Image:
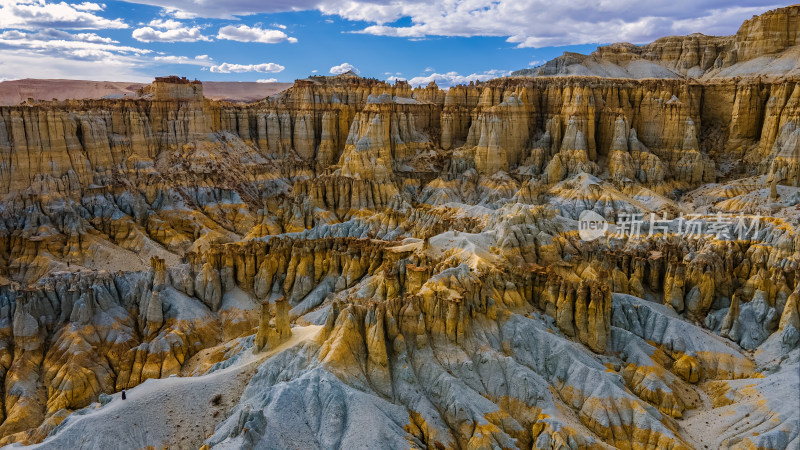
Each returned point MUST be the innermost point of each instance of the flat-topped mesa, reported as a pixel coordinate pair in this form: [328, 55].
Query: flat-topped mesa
[176, 88]
[337, 92]
[342, 78]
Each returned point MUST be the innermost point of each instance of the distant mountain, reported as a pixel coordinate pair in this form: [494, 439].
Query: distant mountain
[16, 91]
[766, 45]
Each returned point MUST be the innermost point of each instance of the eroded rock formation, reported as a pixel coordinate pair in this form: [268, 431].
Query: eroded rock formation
[412, 257]
[760, 41]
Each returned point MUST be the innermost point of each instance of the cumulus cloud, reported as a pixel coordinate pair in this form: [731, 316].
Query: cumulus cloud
[267, 80]
[244, 33]
[88, 6]
[59, 43]
[538, 23]
[167, 24]
[59, 54]
[179, 13]
[54, 53]
[51, 34]
[526, 23]
[33, 65]
[168, 31]
[27, 14]
[343, 68]
[200, 60]
[240, 68]
[228, 10]
[450, 79]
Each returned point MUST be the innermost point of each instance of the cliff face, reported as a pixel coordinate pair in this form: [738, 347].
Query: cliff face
[770, 38]
[513, 125]
[771, 32]
[411, 254]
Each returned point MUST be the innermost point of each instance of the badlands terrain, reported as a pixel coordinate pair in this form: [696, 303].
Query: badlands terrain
[355, 264]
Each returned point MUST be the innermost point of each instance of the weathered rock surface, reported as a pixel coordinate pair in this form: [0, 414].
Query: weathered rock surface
[353, 263]
[764, 45]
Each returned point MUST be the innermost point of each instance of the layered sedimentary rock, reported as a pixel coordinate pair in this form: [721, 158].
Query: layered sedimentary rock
[763, 46]
[411, 256]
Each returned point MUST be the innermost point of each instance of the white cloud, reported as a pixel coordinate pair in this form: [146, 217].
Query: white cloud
[244, 33]
[159, 30]
[57, 54]
[267, 80]
[342, 68]
[229, 9]
[527, 23]
[66, 45]
[536, 62]
[167, 24]
[88, 37]
[52, 34]
[240, 68]
[111, 67]
[201, 60]
[53, 53]
[450, 79]
[89, 6]
[539, 23]
[32, 14]
[179, 13]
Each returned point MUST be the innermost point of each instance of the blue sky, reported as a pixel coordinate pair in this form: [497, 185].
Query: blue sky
[447, 41]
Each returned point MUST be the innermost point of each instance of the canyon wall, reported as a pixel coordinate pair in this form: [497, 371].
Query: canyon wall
[429, 240]
[517, 125]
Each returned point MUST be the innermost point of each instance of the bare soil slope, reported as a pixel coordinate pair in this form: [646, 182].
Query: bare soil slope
[14, 92]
